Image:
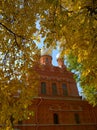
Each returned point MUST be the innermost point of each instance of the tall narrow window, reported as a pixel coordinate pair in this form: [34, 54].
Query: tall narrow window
[77, 119]
[64, 87]
[43, 88]
[56, 119]
[46, 60]
[54, 89]
[20, 122]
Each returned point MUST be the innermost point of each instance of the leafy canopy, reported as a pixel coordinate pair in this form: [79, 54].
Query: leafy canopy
[18, 55]
[71, 23]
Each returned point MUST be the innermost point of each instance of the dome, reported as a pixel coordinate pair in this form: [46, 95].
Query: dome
[46, 51]
[58, 56]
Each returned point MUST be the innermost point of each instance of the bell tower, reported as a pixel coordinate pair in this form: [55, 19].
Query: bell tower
[60, 61]
[46, 58]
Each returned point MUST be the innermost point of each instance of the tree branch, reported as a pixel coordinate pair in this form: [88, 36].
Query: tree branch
[11, 31]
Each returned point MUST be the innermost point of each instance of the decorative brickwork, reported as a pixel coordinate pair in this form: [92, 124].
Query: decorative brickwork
[58, 105]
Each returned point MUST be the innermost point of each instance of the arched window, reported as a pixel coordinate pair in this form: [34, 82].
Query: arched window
[43, 88]
[20, 122]
[47, 60]
[54, 89]
[56, 118]
[64, 87]
[77, 119]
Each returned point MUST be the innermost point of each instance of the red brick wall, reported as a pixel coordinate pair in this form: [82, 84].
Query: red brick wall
[45, 106]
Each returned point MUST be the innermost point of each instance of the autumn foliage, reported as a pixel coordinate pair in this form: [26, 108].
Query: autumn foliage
[69, 24]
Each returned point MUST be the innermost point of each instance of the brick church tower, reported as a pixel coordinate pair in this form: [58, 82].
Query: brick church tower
[58, 105]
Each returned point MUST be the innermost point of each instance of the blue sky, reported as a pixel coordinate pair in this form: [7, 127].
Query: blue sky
[54, 61]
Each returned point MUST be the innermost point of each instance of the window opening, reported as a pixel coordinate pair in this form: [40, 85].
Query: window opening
[46, 60]
[43, 88]
[64, 87]
[54, 89]
[20, 122]
[77, 119]
[56, 118]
